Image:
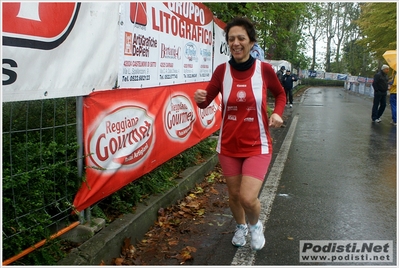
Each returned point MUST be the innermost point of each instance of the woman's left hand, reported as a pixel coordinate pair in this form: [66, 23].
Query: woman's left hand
[275, 121]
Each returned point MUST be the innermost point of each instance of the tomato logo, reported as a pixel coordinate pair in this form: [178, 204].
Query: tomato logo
[38, 25]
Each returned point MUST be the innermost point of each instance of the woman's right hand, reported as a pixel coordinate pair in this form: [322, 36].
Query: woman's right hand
[200, 95]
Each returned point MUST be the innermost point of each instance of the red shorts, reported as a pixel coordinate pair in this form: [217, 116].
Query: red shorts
[253, 166]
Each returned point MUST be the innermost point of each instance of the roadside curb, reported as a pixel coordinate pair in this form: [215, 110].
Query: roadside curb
[107, 243]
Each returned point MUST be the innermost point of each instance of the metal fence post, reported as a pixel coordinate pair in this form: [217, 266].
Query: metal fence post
[79, 134]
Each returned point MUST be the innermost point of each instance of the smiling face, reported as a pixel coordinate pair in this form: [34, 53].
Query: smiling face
[239, 43]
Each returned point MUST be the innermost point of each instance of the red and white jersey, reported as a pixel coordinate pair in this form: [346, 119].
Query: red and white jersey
[244, 130]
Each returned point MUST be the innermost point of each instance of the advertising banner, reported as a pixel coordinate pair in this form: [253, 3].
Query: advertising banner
[361, 79]
[138, 65]
[58, 49]
[352, 79]
[330, 76]
[128, 134]
[335, 76]
[222, 51]
[312, 73]
[165, 43]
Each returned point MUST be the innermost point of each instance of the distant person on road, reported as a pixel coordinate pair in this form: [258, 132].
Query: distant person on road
[380, 85]
[288, 84]
[392, 100]
[280, 75]
[244, 146]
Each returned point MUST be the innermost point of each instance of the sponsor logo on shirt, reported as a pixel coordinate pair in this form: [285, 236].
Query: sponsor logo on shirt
[249, 119]
[241, 96]
[232, 117]
[232, 108]
[238, 85]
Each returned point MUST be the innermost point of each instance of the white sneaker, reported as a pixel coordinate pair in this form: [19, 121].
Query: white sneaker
[257, 237]
[290, 105]
[378, 120]
[239, 235]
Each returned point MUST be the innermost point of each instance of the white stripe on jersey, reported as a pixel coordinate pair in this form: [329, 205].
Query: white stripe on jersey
[257, 89]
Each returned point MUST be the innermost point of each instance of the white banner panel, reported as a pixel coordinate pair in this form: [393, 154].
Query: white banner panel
[58, 49]
[330, 76]
[352, 79]
[222, 50]
[164, 43]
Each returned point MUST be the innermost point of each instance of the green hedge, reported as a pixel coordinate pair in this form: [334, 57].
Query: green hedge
[39, 175]
[322, 82]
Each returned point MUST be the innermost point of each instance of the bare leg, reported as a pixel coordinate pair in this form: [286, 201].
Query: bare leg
[234, 186]
[243, 198]
[249, 192]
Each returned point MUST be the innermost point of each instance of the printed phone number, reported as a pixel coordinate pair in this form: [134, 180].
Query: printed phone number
[136, 78]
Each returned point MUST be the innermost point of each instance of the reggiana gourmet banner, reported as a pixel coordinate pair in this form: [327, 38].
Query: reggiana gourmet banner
[129, 134]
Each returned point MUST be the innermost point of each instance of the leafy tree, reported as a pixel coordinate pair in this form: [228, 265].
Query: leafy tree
[346, 13]
[313, 27]
[356, 60]
[331, 28]
[279, 27]
[225, 11]
[378, 25]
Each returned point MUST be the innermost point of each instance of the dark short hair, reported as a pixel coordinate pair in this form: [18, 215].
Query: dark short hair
[244, 22]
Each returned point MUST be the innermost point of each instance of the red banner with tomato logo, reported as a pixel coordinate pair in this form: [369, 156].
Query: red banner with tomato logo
[129, 132]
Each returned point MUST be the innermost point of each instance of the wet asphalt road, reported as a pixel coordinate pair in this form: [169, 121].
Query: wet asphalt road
[338, 181]
[333, 177]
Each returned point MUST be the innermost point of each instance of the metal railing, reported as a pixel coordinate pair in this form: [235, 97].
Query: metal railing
[40, 170]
